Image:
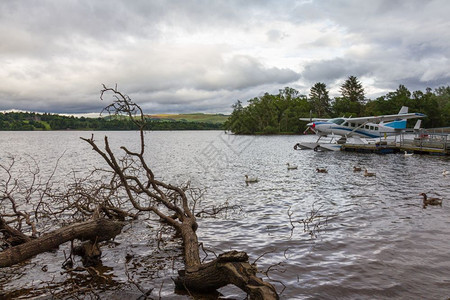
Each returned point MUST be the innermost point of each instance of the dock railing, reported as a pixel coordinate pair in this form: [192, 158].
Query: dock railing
[424, 139]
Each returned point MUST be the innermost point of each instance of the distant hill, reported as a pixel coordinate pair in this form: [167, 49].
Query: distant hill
[194, 117]
[14, 120]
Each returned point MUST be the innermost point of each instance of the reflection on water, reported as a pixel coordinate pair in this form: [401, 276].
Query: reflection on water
[378, 241]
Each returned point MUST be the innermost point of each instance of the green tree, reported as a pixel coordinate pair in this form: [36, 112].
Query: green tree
[235, 121]
[352, 100]
[442, 95]
[352, 90]
[269, 114]
[427, 103]
[319, 99]
[400, 97]
[343, 107]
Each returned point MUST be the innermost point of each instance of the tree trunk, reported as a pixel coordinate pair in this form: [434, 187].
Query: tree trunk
[229, 268]
[190, 241]
[94, 230]
[13, 236]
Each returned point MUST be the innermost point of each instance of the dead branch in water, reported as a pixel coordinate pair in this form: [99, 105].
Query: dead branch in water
[94, 208]
[312, 223]
[133, 176]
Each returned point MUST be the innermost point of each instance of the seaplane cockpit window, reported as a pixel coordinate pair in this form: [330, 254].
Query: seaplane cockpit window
[366, 126]
[376, 128]
[352, 125]
[371, 128]
[337, 121]
[345, 124]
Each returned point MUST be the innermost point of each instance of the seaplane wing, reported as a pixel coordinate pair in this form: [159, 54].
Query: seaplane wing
[313, 119]
[385, 118]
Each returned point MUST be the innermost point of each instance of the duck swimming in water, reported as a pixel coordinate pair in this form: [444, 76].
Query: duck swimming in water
[250, 179]
[291, 167]
[430, 201]
[408, 153]
[369, 174]
[321, 170]
[356, 169]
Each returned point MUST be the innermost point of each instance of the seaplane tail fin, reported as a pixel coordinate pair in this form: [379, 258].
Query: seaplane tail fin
[417, 126]
[403, 110]
[398, 124]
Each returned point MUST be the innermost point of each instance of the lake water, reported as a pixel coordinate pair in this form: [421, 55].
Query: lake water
[360, 238]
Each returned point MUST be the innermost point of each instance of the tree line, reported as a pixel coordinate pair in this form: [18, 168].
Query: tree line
[279, 114]
[30, 121]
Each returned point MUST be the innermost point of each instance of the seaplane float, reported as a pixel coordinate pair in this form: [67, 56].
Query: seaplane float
[332, 133]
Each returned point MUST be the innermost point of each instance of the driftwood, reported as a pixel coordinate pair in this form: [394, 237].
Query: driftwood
[229, 268]
[13, 236]
[93, 230]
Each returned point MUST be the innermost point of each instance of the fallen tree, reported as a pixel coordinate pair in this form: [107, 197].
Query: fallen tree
[93, 230]
[146, 193]
[127, 188]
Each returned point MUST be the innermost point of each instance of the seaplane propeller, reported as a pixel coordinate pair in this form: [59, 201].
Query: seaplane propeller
[311, 127]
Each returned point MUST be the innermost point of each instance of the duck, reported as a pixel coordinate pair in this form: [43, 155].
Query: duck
[356, 169]
[445, 172]
[408, 154]
[321, 170]
[250, 179]
[369, 174]
[430, 201]
[291, 167]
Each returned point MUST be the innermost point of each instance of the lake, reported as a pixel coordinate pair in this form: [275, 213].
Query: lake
[335, 235]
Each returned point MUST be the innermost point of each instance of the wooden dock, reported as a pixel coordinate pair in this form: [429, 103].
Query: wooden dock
[432, 144]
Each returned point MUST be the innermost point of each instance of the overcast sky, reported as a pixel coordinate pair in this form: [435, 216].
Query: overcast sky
[201, 56]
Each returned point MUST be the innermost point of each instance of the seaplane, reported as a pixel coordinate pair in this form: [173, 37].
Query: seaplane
[359, 128]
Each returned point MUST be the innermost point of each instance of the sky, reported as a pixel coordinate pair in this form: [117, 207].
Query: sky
[182, 56]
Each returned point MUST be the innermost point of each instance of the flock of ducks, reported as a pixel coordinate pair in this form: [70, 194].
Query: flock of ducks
[290, 166]
[366, 172]
[426, 201]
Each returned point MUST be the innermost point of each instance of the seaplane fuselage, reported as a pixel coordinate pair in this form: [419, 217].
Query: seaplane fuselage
[365, 127]
[345, 127]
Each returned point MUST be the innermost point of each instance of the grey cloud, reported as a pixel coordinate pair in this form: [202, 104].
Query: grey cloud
[46, 105]
[55, 54]
[202, 68]
[401, 42]
[332, 70]
[244, 72]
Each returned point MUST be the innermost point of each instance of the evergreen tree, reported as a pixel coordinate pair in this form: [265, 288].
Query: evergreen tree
[319, 99]
[352, 90]
[352, 100]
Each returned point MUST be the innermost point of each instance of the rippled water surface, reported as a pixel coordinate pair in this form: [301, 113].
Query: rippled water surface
[338, 235]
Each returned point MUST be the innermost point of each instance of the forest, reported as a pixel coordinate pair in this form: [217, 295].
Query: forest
[279, 114]
[30, 121]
